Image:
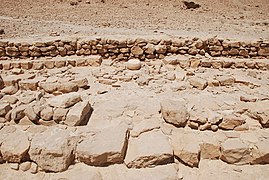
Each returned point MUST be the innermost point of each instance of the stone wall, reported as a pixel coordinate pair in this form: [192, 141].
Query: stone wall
[129, 48]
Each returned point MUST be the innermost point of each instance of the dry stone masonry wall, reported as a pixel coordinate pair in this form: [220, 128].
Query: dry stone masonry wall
[133, 48]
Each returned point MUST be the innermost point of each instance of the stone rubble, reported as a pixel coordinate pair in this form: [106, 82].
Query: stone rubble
[170, 117]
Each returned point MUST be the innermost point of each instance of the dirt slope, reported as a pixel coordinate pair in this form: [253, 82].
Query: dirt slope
[240, 19]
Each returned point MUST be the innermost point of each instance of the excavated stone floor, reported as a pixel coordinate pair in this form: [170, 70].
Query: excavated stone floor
[168, 119]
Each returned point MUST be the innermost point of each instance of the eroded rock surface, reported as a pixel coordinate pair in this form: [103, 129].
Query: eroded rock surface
[175, 112]
[149, 149]
[105, 147]
[54, 149]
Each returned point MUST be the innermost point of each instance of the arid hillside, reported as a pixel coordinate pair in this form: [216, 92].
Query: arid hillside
[239, 19]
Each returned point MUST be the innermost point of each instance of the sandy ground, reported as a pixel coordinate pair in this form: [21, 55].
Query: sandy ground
[235, 19]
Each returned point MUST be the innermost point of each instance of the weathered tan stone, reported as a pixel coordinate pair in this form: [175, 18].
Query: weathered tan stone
[31, 114]
[186, 147]
[15, 146]
[195, 63]
[243, 52]
[4, 109]
[226, 80]
[260, 112]
[11, 80]
[14, 166]
[25, 166]
[230, 122]
[210, 146]
[49, 87]
[25, 121]
[46, 113]
[107, 81]
[217, 64]
[3, 120]
[53, 149]
[67, 87]
[59, 114]
[18, 112]
[26, 65]
[29, 84]
[174, 112]
[94, 60]
[149, 149]
[10, 90]
[161, 49]
[260, 154]
[215, 48]
[34, 168]
[248, 99]
[81, 62]
[65, 100]
[38, 65]
[79, 114]
[136, 50]
[209, 151]
[233, 51]
[49, 64]
[60, 63]
[206, 64]
[12, 51]
[6, 66]
[16, 71]
[149, 48]
[198, 83]
[234, 151]
[193, 125]
[28, 96]
[81, 83]
[215, 53]
[144, 125]
[170, 60]
[108, 146]
[214, 117]
[263, 51]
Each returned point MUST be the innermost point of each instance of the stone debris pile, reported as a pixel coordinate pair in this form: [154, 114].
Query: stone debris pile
[173, 117]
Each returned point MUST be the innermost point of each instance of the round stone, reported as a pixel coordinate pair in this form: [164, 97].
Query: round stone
[214, 127]
[133, 64]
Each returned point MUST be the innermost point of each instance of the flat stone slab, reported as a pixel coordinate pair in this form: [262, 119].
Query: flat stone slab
[105, 147]
[65, 100]
[149, 149]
